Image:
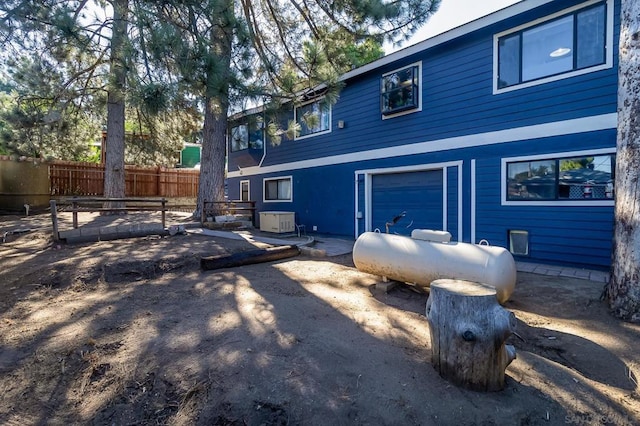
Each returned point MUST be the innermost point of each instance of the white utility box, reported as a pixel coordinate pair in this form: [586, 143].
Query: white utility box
[279, 222]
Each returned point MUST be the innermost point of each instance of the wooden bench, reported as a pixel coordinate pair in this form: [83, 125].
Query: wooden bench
[106, 205]
[219, 208]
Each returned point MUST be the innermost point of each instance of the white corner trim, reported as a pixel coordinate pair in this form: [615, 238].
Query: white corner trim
[473, 201]
[460, 200]
[445, 198]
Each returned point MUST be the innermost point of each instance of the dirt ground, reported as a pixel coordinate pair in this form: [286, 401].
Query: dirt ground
[130, 332]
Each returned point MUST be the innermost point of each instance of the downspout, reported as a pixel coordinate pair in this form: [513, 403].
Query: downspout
[264, 151]
[264, 138]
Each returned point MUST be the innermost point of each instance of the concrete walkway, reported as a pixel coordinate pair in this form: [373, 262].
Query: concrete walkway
[312, 246]
[563, 271]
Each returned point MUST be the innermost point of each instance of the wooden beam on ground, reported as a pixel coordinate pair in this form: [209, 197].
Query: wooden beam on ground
[248, 257]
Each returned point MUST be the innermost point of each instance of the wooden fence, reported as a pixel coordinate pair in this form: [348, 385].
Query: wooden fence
[87, 179]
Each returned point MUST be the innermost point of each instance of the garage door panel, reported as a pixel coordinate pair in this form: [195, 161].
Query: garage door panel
[419, 194]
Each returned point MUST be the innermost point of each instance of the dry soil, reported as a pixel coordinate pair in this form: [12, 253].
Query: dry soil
[132, 331]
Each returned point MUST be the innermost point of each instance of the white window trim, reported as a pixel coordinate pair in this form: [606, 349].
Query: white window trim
[550, 156]
[410, 111]
[311, 135]
[264, 195]
[248, 182]
[608, 48]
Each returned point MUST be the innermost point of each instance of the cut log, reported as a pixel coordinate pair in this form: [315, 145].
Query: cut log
[468, 331]
[248, 257]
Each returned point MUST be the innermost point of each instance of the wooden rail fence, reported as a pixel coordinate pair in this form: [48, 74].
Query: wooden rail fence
[87, 179]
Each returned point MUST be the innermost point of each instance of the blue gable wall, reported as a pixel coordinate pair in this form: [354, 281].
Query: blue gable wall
[465, 130]
[457, 80]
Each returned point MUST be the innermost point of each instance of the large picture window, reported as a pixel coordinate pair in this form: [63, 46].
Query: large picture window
[571, 42]
[568, 178]
[400, 90]
[277, 189]
[313, 118]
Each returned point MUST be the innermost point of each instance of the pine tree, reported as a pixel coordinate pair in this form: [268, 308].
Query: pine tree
[227, 52]
[222, 52]
[77, 69]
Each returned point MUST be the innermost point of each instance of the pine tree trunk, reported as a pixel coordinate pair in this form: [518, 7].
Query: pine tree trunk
[212, 161]
[623, 289]
[114, 179]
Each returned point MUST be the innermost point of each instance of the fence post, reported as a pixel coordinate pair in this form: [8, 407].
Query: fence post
[54, 219]
[159, 191]
[164, 202]
[74, 208]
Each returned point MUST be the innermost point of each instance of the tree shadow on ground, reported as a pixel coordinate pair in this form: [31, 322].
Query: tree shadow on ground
[587, 358]
[300, 341]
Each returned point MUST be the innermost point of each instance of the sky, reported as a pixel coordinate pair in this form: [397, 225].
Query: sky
[451, 14]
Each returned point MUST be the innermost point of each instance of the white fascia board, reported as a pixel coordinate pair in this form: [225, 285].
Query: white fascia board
[485, 21]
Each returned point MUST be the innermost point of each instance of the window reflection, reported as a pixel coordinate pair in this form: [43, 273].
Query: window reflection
[313, 118]
[572, 42]
[400, 90]
[575, 178]
[239, 138]
[247, 136]
[546, 50]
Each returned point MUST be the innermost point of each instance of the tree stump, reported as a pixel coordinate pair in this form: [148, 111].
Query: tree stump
[468, 330]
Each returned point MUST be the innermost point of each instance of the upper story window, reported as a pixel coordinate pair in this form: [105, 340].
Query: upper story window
[245, 136]
[400, 91]
[585, 177]
[569, 43]
[313, 118]
[239, 138]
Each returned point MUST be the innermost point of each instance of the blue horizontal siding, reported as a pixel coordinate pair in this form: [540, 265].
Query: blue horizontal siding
[580, 235]
[457, 100]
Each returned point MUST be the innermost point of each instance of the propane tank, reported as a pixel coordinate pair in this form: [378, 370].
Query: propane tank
[420, 262]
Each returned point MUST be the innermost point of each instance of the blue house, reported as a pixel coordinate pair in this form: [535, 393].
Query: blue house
[503, 130]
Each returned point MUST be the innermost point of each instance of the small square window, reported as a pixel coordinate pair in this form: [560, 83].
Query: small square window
[400, 90]
[313, 118]
[519, 242]
[247, 136]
